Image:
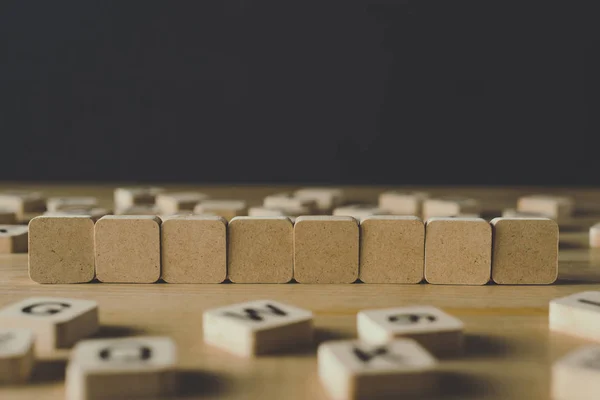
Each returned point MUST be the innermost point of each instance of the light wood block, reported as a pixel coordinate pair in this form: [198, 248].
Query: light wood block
[13, 239]
[123, 368]
[326, 249]
[577, 315]
[266, 212]
[128, 248]
[450, 207]
[524, 251]
[513, 213]
[71, 202]
[171, 203]
[595, 236]
[57, 322]
[16, 355]
[392, 249]
[326, 198]
[258, 327]
[7, 217]
[61, 249]
[126, 197]
[227, 209]
[458, 251]
[555, 207]
[351, 369]
[288, 201]
[576, 376]
[402, 203]
[440, 333]
[22, 202]
[142, 209]
[194, 249]
[94, 213]
[358, 211]
[260, 250]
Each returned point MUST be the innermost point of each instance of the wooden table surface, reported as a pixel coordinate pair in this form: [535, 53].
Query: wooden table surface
[509, 350]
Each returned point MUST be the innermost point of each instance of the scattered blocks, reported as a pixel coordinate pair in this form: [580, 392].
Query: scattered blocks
[171, 203]
[326, 249]
[392, 249]
[71, 202]
[287, 201]
[22, 202]
[595, 236]
[576, 376]
[458, 251]
[555, 207]
[194, 249]
[326, 198]
[16, 355]
[124, 368]
[525, 251]
[56, 322]
[350, 369]
[13, 239]
[358, 211]
[227, 209]
[450, 207]
[576, 315]
[128, 248]
[135, 196]
[260, 250]
[7, 217]
[142, 209]
[402, 203]
[61, 249]
[258, 327]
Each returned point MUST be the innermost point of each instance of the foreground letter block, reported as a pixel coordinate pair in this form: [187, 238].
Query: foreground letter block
[124, 368]
[194, 249]
[555, 207]
[458, 251]
[576, 376]
[68, 203]
[358, 211]
[392, 249]
[351, 369]
[450, 207]
[260, 250]
[438, 332]
[227, 209]
[61, 249]
[402, 203]
[56, 322]
[22, 202]
[7, 217]
[13, 239]
[16, 355]
[595, 236]
[258, 327]
[525, 251]
[135, 196]
[325, 249]
[171, 203]
[326, 198]
[577, 315]
[128, 248]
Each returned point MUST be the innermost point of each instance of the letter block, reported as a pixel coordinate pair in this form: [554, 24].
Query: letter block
[402, 203]
[13, 239]
[22, 202]
[555, 207]
[287, 201]
[576, 376]
[227, 209]
[359, 211]
[7, 217]
[576, 315]
[71, 202]
[326, 198]
[171, 203]
[16, 355]
[595, 236]
[450, 207]
[127, 197]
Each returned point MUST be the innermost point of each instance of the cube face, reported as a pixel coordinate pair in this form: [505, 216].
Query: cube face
[170, 203]
[577, 375]
[326, 198]
[260, 250]
[402, 203]
[13, 239]
[326, 249]
[16, 355]
[450, 207]
[392, 249]
[71, 202]
[61, 249]
[458, 251]
[555, 207]
[525, 251]
[358, 211]
[576, 315]
[194, 249]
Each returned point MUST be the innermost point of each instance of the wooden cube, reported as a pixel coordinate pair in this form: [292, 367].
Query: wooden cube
[458, 251]
[577, 315]
[595, 236]
[71, 202]
[171, 203]
[266, 212]
[142, 209]
[16, 355]
[260, 250]
[13, 239]
[358, 211]
[194, 249]
[258, 327]
[524, 251]
[326, 198]
[351, 369]
[326, 249]
[57, 322]
[7, 217]
[22, 202]
[123, 368]
[94, 213]
[440, 333]
[128, 248]
[555, 207]
[227, 209]
[513, 213]
[392, 249]
[61, 249]
[287, 201]
[450, 207]
[576, 376]
[127, 197]
[402, 203]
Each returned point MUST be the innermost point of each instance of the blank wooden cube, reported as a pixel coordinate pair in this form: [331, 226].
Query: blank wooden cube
[56, 322]
[524, 251]
[71, 202]
[13, 239]
[576, 376]
[358, 211]
[126, 197]
[94, 213]
[128, 248]
[227, 209]
[61, 249]
[287, 201]
[258, 327]
[402, 203]
[194, 249]
[555, 207]
[595, 236]
[351, 369]
[7, 217]
[260, 250]
[22, 202]
[326, 249]
[392, 249]
[16, 355]
[171, 203]
[123, 368]
[326, 198]
[450, 207]
[577, 315]
[440, 333]
[458, 251]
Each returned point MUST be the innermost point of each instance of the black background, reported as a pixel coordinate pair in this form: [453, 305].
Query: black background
[398, 92]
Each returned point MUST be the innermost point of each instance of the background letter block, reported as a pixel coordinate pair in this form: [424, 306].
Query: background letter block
[401, 203]
[194, 249]
[287, 201]
[326, 198]
[16, 355]
[555, 207]
[258, 327]
[595, 236]
[325, 249]
[577, 315]
[458, 251]
[171, 203]
[576, 376]
[227, 209]
[7, 217]
[128, 197]
[358, 211]
[260, 250]
[13, 239]
[22, 202]
[128, 249]
[450, 207]
[61, 249]
[73, 202]
[524, 251]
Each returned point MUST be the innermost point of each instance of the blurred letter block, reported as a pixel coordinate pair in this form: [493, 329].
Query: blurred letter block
[16, 355]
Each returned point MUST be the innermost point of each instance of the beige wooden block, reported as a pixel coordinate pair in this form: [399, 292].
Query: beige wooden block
[22, 202]
[440, 333]
[266, 212]
[94, 213]
[171, 203]
[576, 376]
[351, 369]
[513, 213]
[402, 203]
[128, 248]
[392, 249]
[524, 251]
[458, 251]
[326, 249]
[326, 198]
[450, 207]
[260, 250]
[577, 315]
[359, 211]
[258, 327]
[194, 249]
[16, 355]
[13, 239]
[123, 368]
[595, 236]
[71, 202]
[555, 207]
[287, 201]
[126, 197]
[142, 209]
[56, 322]
[7, 217]
[227, 209]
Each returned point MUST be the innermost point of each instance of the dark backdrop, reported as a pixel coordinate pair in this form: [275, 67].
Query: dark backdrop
[450, 92]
